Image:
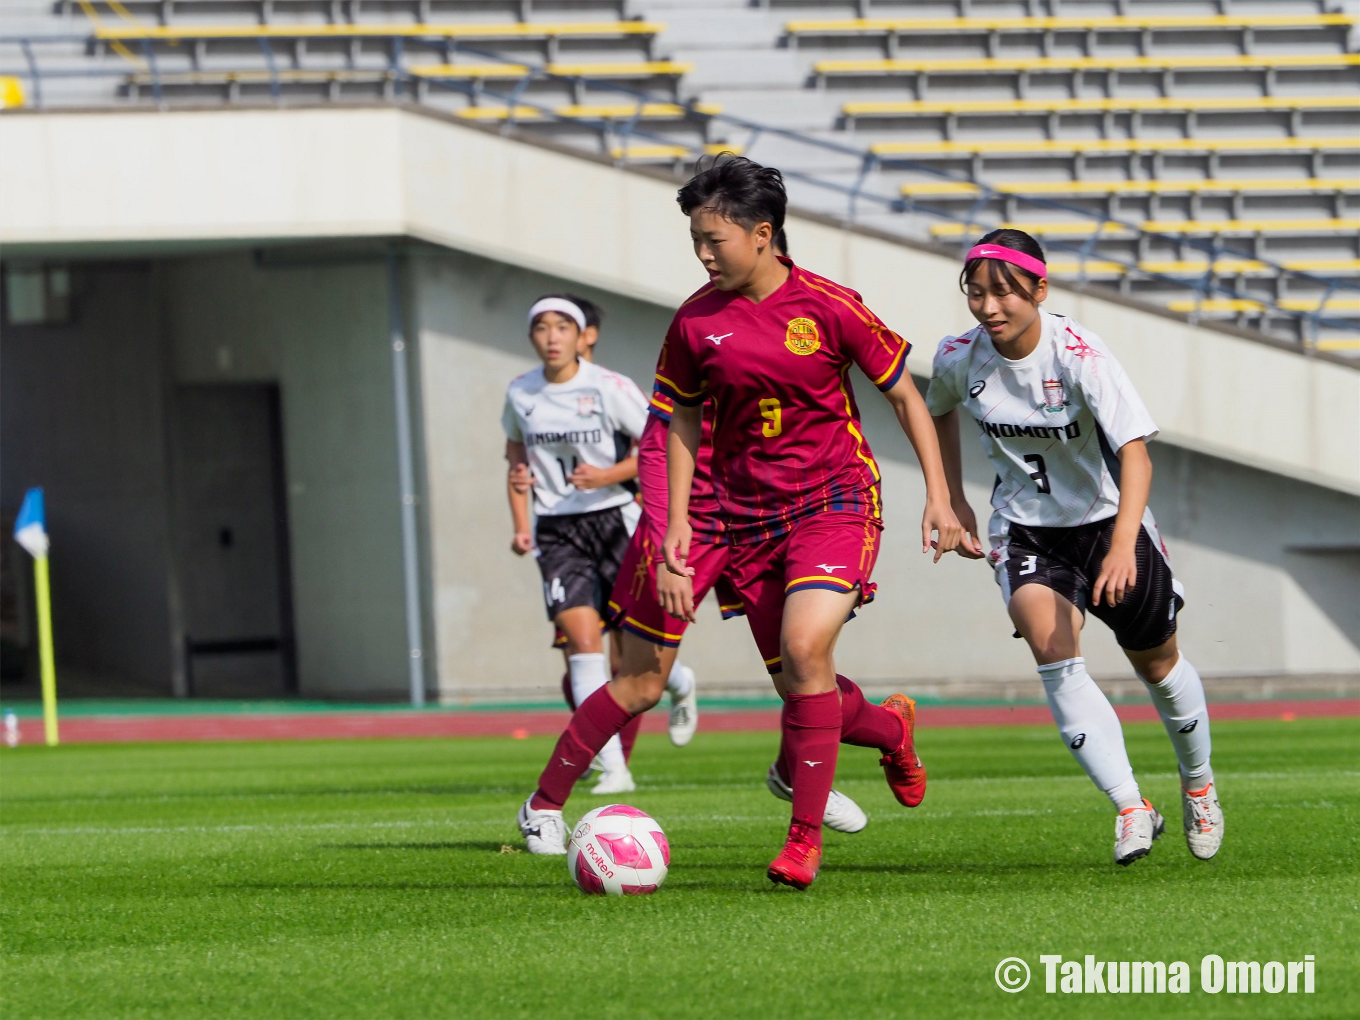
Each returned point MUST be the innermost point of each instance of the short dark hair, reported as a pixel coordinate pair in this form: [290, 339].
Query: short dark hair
[738, 189]
[594, 313]
[781, 241]
[1016, 240]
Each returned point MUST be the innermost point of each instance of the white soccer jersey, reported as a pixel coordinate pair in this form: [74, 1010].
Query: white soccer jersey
[1051, 423]
[564, 425]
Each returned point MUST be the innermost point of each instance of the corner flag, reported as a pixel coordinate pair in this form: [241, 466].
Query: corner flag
[30, 531]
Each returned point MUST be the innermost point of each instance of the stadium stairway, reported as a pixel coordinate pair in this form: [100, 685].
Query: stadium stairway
[1216, 137]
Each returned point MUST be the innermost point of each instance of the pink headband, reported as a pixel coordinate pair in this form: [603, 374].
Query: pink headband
[1016, 258]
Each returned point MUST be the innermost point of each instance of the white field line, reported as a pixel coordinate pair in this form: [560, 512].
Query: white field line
[11, 830]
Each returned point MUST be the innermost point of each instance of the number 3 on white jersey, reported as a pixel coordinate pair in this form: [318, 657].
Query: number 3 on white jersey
[1030, 565]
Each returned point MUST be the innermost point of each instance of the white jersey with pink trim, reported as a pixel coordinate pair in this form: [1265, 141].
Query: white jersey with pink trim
[590, 419]
[1051, 423]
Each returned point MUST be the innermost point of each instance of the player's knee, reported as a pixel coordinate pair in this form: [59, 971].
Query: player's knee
[638, 693]
[803, 653]
[1051, 649]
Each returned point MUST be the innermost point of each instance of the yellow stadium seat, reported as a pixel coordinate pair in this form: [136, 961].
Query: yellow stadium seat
[1117, 145]
[639, 69]
[628, 69]
[1159, 187]
[457, 30]
[1223, 267]
[880, 26]
[650, 153]
[1248, 305]
[1083, 228]
[286, 75]
[11, 92]
[1100, 104]
[1338, 345]
[601, 111]
[982, 65]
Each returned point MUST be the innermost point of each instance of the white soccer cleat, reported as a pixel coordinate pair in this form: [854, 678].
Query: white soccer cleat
[1203, 820]
[620, 780]
[543, 830]
[684, 718]
[1134, 830]
[842, 813]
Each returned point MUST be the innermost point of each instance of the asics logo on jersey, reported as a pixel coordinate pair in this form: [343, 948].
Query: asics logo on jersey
[717, 339]
[830, 569]
[1189, 727]
[1077, 741]
[977, 388]
[812, 764]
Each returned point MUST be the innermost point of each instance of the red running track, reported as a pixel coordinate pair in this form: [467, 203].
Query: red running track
[352, 725]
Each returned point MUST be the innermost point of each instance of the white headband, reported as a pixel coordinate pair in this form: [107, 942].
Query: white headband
[557, 304]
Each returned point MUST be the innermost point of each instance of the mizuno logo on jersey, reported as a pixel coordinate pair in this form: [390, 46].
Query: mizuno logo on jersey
[811, 764]
[717, 339]
[830, 569]
[1069, 431]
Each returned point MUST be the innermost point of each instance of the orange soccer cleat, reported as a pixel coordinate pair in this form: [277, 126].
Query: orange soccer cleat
[903, 769]
[798, 862]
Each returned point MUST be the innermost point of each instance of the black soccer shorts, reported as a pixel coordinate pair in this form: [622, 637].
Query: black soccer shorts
[579, 556]
[1068, 560]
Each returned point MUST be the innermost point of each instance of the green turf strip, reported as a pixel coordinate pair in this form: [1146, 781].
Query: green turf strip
[365, 879]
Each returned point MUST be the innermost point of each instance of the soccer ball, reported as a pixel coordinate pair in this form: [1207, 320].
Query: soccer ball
[618, 850]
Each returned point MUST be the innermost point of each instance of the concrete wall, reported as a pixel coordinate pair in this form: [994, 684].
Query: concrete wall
[81, 412]
[84, 415]
[202, 176]
[1258, 602]
[316, 323]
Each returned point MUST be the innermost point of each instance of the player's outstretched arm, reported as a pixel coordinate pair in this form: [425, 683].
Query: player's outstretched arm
[1119, 570]
[947, 434]
[939, 516]
[518, 494]
[682, 452]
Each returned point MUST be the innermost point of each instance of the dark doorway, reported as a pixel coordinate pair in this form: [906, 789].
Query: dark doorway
[231, 539]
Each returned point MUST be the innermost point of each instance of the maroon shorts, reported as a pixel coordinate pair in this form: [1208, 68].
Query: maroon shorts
[633, 604]
[834, 551]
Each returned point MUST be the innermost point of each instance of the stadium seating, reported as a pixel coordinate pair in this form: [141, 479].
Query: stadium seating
[1224, 133]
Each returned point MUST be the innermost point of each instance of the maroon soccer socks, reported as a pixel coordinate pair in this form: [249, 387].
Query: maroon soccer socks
[598, 719]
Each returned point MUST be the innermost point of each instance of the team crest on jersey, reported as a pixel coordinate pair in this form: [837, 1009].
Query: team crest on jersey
[1055, 396]
[585, 406]
[802, 337]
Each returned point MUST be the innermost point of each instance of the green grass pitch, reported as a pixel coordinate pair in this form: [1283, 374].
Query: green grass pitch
[366, 879]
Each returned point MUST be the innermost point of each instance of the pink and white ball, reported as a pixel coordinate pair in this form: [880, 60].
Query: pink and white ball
[618, 850]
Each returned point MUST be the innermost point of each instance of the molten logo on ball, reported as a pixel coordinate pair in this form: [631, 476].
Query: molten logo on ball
[618, 850]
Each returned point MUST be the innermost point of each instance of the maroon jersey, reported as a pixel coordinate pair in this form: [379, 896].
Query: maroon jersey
[704, 515]
[787, 441]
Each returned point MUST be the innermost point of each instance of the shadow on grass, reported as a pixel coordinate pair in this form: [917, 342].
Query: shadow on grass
[486, 845]
[280, 887]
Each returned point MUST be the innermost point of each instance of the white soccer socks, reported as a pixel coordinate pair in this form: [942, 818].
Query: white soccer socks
[1090, 729]
[589, 672]
[1180, 702]
[680, 682]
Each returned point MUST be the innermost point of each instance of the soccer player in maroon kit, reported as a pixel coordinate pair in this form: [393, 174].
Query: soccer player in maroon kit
[771, 346]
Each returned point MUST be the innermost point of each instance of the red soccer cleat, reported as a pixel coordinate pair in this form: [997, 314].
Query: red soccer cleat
[798, 862]
[903, 769]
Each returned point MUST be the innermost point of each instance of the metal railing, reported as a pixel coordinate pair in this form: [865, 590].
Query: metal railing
[616, 134]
